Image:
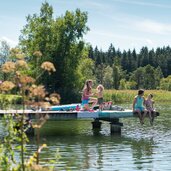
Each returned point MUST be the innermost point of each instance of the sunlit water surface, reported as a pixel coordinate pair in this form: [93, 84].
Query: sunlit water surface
[80, 148]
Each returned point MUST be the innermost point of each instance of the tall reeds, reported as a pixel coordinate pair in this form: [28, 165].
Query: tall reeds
[17, 77]
[127, 96]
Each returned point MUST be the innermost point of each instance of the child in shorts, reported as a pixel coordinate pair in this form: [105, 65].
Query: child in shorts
[149, 106]
[100, 90]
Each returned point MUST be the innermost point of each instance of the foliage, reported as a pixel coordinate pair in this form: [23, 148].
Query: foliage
[127, 85]
[60, 41]
[7, 153]
[86, 69]
[165, 83]
[99, 73]
[107, 80]
[31, 94]
[146, 68]
[4, 52]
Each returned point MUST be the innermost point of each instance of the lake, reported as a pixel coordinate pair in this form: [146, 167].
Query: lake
[80, 148]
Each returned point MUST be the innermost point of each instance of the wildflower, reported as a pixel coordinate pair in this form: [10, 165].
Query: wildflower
[47, 99]
[48, 66]
[18, 73]
[19, 85]
[55, 98]
[37, 54]
[14, 51]
[19, 56]
[7, 86]
[45, 105]
[17, 53]
[8, 67]
[55, 95]
[37, 91]
[22, 64]
[26, 79]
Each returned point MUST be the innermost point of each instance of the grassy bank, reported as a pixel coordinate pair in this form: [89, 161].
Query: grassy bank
[122, 96]
[116, 96]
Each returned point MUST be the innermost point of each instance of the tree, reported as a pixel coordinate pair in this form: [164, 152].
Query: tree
[149, 81]
[107, 80]
[99, 73]
[111, 53]
[127, 84]
[91, 55]
[60, 41]
[97, 56]
[134, 60]
[144, 58]
[165, 83]
[4, 52]
[4, 56]
[86, 70]
[138, 77]
[158, 75]
[124, 61]
[116, 76]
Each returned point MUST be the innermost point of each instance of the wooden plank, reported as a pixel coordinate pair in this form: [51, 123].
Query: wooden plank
[59, 115]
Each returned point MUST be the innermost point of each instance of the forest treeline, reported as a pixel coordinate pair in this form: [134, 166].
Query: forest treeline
[148, 69]
[61, 41]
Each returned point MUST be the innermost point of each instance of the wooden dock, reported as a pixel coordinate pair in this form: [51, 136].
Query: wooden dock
[111, 116]
[58, 115]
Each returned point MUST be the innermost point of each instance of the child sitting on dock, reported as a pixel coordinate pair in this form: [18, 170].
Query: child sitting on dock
[100, 90]
[149, 106]
[87, 95]
[138, 105]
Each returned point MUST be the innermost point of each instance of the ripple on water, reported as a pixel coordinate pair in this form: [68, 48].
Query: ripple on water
[137, 148]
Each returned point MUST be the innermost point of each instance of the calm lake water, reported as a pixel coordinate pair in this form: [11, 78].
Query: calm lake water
[137, 148]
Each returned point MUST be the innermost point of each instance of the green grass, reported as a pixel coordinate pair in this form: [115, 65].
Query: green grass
[120, 96]
[116, 96]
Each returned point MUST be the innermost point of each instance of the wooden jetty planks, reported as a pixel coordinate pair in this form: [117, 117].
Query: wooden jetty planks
[59, 115]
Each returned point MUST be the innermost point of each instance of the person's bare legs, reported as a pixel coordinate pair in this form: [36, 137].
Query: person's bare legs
[150, 117]
[93, 101]
[153, 115]
[143, 116]
[86, 107]
[139, 115]
[101, 107]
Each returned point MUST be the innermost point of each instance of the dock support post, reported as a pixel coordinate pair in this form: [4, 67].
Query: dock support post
[96, 124]
[115, 126]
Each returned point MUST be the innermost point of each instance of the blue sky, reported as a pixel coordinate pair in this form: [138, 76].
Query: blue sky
[127, 24]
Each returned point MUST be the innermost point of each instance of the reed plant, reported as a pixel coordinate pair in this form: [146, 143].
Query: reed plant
[26, 86]
[127, 96]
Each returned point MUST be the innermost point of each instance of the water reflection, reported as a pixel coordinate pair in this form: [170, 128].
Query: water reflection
[98, 151]
[137, 148]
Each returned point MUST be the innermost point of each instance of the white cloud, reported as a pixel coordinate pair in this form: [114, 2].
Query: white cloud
[96, 5]
[11, 42]
[150, 42]
[142, 3]
[124, 42]
[153, 27]
[110, 35]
